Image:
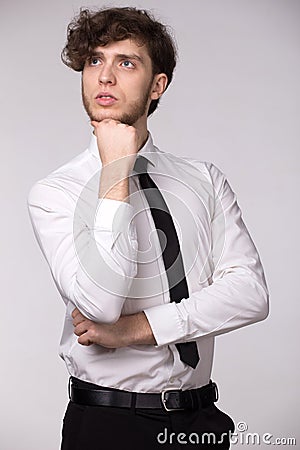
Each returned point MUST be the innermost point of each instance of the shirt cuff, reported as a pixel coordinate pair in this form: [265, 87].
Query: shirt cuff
[166, 324]
[114, 215]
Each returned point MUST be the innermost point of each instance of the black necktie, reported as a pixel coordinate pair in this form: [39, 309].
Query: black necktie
[171, 254]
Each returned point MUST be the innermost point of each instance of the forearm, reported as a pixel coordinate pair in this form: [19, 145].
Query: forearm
[128, 330]
[114, 181]
[139, 330]
[228, 304]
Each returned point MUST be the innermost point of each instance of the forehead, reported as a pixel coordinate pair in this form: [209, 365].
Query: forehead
[125, 47]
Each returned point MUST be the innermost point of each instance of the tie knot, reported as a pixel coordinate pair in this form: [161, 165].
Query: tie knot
[140, 165]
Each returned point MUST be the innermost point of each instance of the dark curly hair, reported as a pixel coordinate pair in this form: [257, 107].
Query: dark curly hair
[98, 28]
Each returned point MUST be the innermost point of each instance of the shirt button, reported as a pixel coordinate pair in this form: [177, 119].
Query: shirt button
[172, 380]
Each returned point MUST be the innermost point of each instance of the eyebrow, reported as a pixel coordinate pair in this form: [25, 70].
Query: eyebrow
[121, 56]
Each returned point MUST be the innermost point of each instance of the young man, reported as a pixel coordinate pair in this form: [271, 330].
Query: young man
[148, 251]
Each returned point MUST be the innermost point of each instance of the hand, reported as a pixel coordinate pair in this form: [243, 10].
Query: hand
[118, 146]
[116, 141]
[128, 330]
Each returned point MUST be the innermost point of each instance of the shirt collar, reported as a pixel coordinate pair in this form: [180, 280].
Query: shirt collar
[148, 150]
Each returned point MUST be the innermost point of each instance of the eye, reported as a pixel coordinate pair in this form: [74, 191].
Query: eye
[128, 64]
[94, 61]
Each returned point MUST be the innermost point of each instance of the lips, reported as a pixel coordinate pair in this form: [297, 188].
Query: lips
[105, 95]
[105, 99]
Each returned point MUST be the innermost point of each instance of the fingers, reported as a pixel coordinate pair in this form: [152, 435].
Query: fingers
[75, 312]
[81, 328]
[84, 340]
[78, 317]
[95, 124]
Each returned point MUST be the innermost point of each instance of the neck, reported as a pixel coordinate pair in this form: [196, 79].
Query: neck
[141, 127]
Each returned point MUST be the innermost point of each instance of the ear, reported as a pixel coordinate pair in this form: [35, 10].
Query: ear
[158, 86]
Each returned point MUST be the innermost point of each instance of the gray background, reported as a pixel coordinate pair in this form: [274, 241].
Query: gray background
[234, 101]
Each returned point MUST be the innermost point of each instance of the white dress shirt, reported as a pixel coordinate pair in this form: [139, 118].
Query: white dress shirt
[105, 258]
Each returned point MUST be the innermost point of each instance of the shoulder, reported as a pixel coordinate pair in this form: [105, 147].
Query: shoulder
[63, 181]
[208, 167]
[209, 170]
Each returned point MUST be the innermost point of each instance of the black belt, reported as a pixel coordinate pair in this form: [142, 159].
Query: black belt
[170, 399]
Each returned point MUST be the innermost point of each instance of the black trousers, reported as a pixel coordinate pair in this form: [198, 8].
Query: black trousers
[111, 428]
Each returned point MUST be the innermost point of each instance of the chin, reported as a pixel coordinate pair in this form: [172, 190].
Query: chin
[104, 115]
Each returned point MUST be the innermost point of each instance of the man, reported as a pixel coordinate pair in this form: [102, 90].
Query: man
[148, 251]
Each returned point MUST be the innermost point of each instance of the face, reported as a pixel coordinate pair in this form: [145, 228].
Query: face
[117, 83]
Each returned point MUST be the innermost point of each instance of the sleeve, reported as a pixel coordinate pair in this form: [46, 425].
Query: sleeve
[92, 262]
[237, 294]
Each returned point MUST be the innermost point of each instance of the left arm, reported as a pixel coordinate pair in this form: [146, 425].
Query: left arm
[237, 295]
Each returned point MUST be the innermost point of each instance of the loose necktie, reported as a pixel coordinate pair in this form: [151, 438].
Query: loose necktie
[171, 254]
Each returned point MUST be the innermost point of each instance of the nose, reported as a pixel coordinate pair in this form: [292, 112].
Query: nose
[106, 75]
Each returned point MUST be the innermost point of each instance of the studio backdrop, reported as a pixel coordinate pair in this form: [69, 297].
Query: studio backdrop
[235, 102]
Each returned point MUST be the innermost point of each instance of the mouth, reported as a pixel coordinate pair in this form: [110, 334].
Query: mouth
[105, 99]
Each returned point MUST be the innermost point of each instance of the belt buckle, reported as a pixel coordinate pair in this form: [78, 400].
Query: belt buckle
[164, 399]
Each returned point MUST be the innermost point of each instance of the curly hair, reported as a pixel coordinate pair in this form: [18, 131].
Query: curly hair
[98, 28]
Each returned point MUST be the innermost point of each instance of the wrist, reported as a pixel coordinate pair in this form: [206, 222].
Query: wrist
[140, 331]
[114, 183]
